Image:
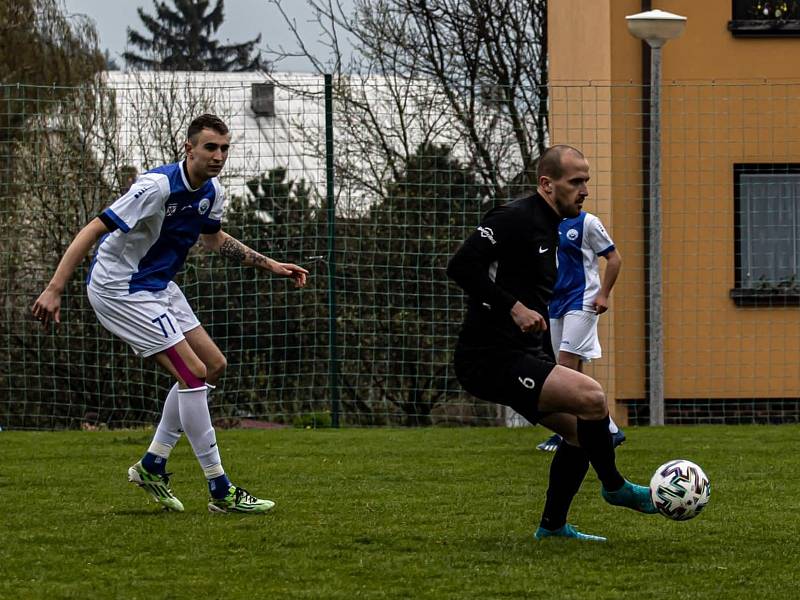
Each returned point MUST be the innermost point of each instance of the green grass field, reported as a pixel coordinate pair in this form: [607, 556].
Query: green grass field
[420, 513]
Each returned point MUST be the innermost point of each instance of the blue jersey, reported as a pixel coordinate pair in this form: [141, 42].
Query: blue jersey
[157, 221]
[581, 240]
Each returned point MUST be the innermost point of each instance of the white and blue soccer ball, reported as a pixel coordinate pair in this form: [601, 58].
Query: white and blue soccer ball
[680, 490]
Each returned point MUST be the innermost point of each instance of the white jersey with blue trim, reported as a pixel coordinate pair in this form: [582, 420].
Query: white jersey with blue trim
[581, 240]
[158, 220]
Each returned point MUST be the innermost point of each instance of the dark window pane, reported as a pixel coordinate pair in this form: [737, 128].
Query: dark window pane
[770, 203]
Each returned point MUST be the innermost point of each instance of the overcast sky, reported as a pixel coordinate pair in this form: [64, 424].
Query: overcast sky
[244, 20]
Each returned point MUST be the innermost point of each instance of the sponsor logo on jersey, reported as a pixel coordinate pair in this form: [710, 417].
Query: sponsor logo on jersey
[172, 209]
[204, 205]
[572, 235]
[486, 232]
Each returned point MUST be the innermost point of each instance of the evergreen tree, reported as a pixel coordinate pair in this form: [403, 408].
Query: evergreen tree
[180, 40]
[273, 335]
[412, 316]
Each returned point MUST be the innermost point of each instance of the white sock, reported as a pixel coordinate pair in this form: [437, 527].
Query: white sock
[210, 388]
[612, 427]
[197, 425]
[169, 428]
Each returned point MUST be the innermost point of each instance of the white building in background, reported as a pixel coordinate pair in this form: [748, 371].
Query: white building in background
[277, 120]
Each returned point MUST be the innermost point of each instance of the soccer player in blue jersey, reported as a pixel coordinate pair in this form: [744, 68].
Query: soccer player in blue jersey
[579, 298]
[508, 269]
[145, 236]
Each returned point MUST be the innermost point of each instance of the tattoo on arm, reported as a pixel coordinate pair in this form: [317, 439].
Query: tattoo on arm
[232, 249]
[255, 258]
[236, 250]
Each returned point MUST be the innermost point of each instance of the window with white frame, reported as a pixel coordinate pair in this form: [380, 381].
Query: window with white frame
[767, 200]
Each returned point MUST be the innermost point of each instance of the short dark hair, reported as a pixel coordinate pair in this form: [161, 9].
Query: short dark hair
[206, 121]
[550, 165]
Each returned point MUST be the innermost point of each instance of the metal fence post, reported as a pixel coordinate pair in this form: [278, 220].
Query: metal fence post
[333, 355]
[656, 27]
[656, 325]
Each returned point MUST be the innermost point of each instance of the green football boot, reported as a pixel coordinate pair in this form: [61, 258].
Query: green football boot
[567, 531]
[632, 496]
[239, 500]
[155, 484]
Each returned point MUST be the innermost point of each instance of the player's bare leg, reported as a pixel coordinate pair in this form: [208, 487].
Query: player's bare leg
[190, 369]
[150, 473]
[571, 392]
[208, 352]
[575, 362]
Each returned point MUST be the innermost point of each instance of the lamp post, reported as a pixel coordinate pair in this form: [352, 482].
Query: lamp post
[656, 27]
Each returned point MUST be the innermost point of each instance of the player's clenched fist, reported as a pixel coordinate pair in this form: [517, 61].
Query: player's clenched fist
[526, 319]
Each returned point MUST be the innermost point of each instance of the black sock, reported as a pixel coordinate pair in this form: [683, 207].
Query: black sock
[567, 471]
[596, 440]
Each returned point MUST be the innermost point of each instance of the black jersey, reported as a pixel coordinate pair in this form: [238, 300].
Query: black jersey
[510, 257]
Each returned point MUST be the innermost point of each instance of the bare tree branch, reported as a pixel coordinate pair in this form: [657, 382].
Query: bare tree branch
[468, 73]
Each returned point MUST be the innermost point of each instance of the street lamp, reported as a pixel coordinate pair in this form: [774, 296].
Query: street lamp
[656, 27]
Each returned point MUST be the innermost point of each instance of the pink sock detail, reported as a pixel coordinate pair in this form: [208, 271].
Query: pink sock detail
[189, 378]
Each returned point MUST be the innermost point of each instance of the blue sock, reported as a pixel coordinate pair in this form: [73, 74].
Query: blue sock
[219, 486]
[154, 464]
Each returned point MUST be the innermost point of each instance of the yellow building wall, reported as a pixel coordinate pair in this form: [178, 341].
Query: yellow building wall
[604, 122]
[724, 100]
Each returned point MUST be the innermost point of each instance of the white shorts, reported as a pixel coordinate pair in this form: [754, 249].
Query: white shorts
[576, 333]
[149, 321]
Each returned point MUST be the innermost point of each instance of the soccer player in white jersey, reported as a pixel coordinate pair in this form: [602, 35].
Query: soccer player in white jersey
[579, 297]
[145, 236]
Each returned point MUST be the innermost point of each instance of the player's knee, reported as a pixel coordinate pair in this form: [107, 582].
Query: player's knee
[593, 402]
[216, 368]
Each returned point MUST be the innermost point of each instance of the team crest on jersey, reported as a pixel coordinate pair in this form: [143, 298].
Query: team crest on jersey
[572, 235]
[172, 209]
[204, 205]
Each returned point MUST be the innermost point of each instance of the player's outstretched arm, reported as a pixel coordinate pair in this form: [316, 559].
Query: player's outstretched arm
[48, 305]
[225, 245]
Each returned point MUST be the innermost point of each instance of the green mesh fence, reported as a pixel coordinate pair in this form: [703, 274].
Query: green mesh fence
[75, 150]
[369, 341]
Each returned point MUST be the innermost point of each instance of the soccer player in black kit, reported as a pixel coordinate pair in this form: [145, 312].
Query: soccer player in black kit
[508, 269]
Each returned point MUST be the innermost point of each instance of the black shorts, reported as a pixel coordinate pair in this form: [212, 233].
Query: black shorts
[510, 377]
